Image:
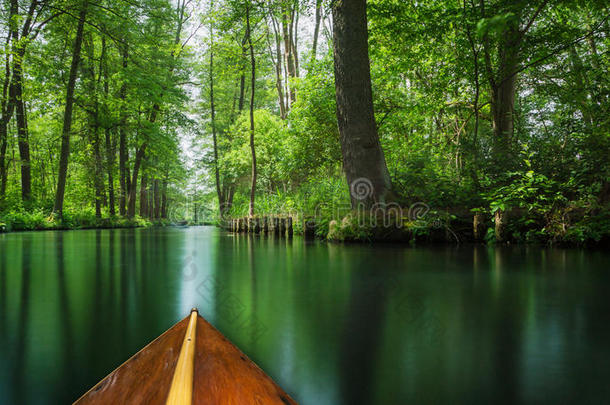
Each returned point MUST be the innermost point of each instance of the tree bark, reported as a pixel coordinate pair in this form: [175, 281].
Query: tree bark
[131, 199]
[157, 198]
[94, 127]
[288, 14]
[16, 93]
[110, 168]
[123, 152]
[363, 159]
[67, 124]
[164, 200]
[503, 94]
[213, 118]
[143, 197]
[316, 31]
[253, 84]
[277, 61]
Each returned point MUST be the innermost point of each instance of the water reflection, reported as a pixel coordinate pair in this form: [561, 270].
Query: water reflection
[332, 324]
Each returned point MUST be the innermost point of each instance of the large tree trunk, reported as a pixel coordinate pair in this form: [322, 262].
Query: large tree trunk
[503, 94]
[7, 113]
[363, 159]
[67, 124]
[7, 108]
[24, 152]
[253, 84]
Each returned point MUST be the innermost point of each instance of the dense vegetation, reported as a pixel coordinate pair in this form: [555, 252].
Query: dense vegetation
[493, 108]
[91, 104]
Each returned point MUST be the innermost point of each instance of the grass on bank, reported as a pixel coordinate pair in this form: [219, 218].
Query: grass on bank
[38, 220]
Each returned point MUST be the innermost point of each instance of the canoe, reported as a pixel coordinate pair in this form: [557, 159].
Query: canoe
[191, 363]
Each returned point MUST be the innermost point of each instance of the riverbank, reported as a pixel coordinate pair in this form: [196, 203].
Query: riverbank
[39, 221]
[451, 227]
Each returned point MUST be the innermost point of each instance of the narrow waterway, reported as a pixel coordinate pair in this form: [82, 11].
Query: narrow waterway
[332, 324]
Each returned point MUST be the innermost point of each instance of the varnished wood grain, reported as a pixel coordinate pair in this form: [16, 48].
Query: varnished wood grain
[143, 379]
[223, 375]
[226, 376]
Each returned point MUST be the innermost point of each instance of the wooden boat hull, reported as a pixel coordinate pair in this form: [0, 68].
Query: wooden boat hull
[222, 374]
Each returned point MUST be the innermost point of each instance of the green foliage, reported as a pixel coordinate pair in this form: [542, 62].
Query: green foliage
[37, 220]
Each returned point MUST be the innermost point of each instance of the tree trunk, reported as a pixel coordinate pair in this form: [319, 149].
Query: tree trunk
[277, 61]
[213, 117]
[67, 124]
[131, 199]
[110, 150]
[94, 126]
[24, 148]
[110, 168]
[143, 197]
[8, 108]
[3, 166]
[123, 152]
[157, 198]
[242, 77]
[363, 159]
[99, 173]
[16, 93]
[164, 200]
[289, 51]
[503, 95]
[316, 31]
[253, 84]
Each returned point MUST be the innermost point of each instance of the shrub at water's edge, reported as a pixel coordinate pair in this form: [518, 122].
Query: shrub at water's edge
[38, 220]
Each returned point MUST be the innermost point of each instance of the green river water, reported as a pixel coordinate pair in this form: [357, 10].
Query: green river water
[332, 324]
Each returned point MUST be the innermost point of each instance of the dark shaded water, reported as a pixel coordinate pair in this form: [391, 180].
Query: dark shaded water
[336, 325]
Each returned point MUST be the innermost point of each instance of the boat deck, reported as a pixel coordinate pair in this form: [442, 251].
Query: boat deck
[222, 374]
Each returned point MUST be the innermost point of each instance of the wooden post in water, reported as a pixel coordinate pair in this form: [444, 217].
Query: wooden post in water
[501, 222]
[275, 225]
[265, 225]
[289, 230]
[479, 227]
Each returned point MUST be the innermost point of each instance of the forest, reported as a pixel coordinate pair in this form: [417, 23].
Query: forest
[493, 116]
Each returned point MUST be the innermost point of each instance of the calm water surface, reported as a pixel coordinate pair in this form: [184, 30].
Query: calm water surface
[336, 325]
